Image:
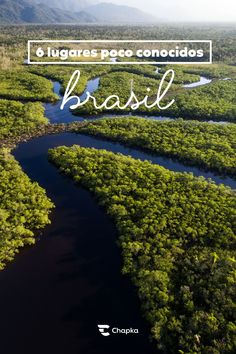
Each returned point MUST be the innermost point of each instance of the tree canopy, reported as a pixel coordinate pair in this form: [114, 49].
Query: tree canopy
[177, 234]
[211, 146]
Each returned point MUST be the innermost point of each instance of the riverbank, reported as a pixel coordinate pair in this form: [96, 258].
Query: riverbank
[43, 130]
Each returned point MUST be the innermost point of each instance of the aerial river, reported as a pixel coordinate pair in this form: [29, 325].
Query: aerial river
[55, 293]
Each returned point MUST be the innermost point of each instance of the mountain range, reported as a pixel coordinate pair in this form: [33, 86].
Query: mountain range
[68, 5]
[68, 11]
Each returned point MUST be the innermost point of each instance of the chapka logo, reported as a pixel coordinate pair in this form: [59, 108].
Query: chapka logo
[115, 330]
[102, 330]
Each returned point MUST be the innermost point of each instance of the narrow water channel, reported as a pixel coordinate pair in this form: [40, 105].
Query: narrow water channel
[203, 81]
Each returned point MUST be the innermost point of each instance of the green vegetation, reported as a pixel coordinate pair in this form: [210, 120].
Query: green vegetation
[17, 119]
[119, 83]
[24, 208]
[214, 71]
[177, 233]
[215, 101]
[211, 146]
[150, 71]
[20, 85]
[204, 103]
[63, 74]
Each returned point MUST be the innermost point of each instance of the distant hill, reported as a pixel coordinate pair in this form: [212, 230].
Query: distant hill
[31, 11]
[25, 11]
[67, 5]
[109, 12]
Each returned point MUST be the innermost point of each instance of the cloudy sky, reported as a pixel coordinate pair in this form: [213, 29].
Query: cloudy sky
[192, 10]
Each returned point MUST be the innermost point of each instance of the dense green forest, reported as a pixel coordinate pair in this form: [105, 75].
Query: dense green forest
[204, 103]
[208, 145]
[119, 83]
[24, 208]
[21, 85]
[177, 234]
[214, 101]
[18, 118]
[214, 71]
[154, 72]
[63, 73]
